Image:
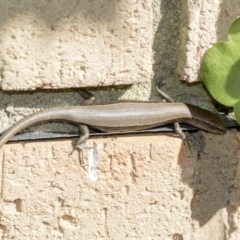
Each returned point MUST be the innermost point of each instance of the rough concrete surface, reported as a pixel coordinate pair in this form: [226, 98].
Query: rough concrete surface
[79, 43]
[148, 187]
[204, 23]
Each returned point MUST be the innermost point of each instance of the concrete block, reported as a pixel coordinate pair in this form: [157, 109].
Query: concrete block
[147, 187]
[70, 44]
[203, 24]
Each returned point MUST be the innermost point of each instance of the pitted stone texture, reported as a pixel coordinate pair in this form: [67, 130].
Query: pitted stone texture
[47, 193]
[66, 44]
[204, 23]
[148, 187]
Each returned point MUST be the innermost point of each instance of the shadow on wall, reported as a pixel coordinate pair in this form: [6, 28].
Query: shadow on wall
[214, 165]
[229, 11]
[50, 15]
[213, 160]
[166, 44]
[51, 12]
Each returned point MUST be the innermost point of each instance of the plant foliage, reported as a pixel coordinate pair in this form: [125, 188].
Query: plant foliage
[220, 70]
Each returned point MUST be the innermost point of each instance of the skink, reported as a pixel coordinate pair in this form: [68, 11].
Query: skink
[122, 116]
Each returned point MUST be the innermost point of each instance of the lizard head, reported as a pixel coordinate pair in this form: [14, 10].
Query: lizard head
[206, 120]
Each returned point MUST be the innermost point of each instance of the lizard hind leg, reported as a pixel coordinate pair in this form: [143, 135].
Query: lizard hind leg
[84, 131]
[89, 98]
[80, 145]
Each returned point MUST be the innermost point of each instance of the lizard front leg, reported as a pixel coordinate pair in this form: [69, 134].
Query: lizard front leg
[176, 125]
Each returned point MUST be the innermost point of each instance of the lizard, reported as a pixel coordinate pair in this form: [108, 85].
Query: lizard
[121, 117]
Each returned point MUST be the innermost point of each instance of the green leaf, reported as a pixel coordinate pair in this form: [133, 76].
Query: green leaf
[220, 70]
[234, 33]
[237, 111]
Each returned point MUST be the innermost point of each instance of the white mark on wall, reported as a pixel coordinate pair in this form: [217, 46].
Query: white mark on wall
[93, 161]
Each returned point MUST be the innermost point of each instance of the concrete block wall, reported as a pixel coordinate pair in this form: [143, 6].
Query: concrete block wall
[129, 200]
[147, 186]
[204, 23]
[63, 44]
